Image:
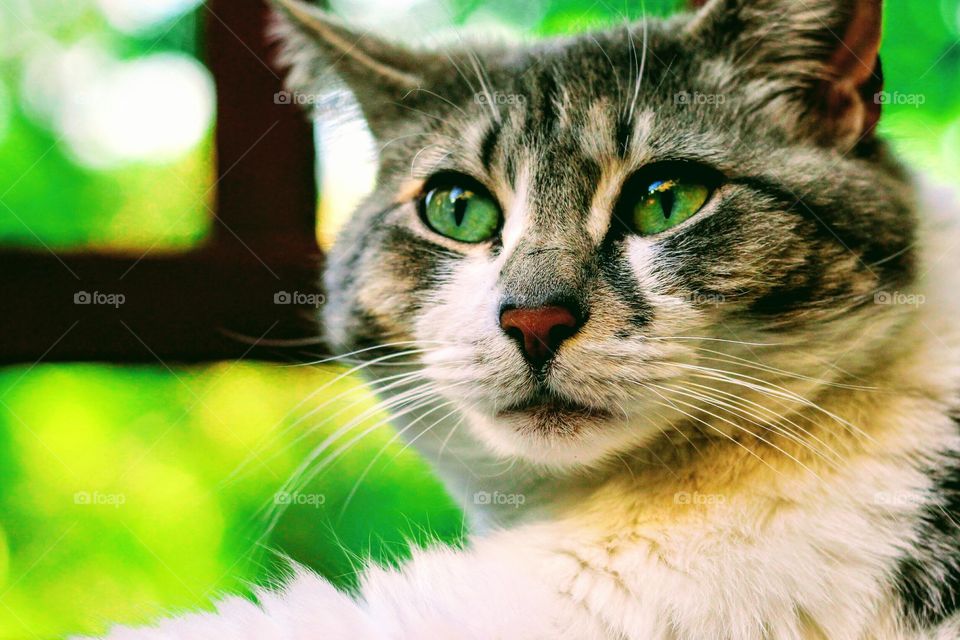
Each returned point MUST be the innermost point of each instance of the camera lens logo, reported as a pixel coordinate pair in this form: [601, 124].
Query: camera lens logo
[297, 499]
[515, 500]
[314, 300]
[115, 300]
[899, 298]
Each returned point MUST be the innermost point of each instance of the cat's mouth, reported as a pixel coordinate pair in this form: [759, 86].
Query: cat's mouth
[549, 408]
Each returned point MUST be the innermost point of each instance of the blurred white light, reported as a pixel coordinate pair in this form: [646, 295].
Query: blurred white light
[111, 112]
[410, 19]
[132, 16]
[347, 170]
[372, 8]
[153, 108]
[55, 77]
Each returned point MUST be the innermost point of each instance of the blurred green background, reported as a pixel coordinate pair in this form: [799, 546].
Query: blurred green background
[126, 491]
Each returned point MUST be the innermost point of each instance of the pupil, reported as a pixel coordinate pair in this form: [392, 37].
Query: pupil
[667, 200]
[459, 210]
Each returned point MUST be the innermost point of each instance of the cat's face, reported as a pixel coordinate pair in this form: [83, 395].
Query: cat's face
[595, 240]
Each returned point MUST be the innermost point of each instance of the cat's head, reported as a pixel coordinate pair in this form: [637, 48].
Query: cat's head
[594, 239]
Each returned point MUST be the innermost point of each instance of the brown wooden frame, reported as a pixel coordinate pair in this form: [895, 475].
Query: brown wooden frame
[217, 302]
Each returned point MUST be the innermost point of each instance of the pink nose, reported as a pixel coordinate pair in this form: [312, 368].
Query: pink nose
[539, 331]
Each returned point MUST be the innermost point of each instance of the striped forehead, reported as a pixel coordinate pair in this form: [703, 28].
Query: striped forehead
[571, 172]
[556, 165]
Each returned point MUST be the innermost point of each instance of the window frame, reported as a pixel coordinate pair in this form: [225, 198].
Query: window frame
[219, 301]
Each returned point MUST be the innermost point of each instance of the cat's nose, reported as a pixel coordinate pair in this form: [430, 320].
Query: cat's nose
[539, 331]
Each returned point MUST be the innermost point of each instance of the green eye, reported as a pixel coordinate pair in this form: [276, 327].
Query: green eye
[461, 213]
[667, 203]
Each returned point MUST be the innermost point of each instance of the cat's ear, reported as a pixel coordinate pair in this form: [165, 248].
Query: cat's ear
[816, 61]
[380, 74]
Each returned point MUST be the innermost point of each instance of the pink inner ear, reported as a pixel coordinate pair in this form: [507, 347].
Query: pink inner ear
[854, 70]
[855, 59]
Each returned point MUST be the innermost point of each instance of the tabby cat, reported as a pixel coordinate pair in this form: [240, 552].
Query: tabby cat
[673, 324]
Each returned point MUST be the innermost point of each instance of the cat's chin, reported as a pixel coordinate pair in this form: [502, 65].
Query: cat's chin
[555, 435]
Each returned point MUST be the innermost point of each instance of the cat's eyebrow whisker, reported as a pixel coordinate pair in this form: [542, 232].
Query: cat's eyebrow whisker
[479, 71]
[459, 70]
[432, 116]
[625, 108]
[435, 95]
[643, 63]
[418, 134]
[613, 68]
[484, 79]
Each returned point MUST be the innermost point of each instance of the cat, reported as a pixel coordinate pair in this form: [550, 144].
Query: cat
[674, 324]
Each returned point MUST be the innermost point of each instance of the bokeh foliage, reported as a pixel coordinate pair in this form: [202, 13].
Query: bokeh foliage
[127, 491]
